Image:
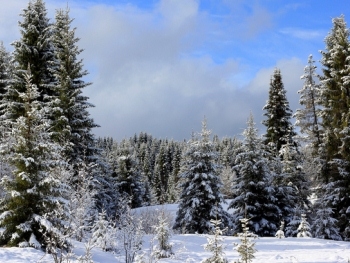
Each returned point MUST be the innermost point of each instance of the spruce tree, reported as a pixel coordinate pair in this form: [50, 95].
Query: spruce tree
[215, 245]
[163, 248]
[201, 199]
[279, 127]
[128, 178]
[161, 174]
[252, 195]
[36, 188]
[307, 118]
[292, 189]
[5, 75]
[34, 48]
[73, 125]
[335, 91]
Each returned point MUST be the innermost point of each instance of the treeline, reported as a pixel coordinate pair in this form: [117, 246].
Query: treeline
[147, 169]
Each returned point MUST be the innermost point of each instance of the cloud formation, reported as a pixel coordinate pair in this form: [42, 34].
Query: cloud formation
[161, 69]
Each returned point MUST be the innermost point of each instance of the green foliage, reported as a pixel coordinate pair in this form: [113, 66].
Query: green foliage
[279, 128]
[246, 248]
[35, 188]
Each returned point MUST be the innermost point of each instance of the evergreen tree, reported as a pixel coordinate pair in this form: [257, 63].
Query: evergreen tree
[161, 174]
[304, 227]
[325, 225]
[35, 49]
[127, 175]
[215, 246]
[279, 128]
[173, 191]
[36, 187]
[246, 248]
[201, 199]
[73, 125]
[292, 189]
[163, 234]
[252, 193]
[103, 233]
[335, 91]
[307, 118]
[5, 76]
[5, 82]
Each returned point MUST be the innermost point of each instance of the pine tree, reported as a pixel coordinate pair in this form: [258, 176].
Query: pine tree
[103, 233]
[128, 179]
[304, 227]
[161, 174]
[335, 91]
[163, 234]
[6, 70]
[214, 245]
[73, 125]
[36, 187]
[201, 199]
[293, 189]
[307, 118]
[252, 193]
[173, 191]
[35, 49]
[5, 77]
[247, 247]
[279, 128]
[325, 225]
[280, 233]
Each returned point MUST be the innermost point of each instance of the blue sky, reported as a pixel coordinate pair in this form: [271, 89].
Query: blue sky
[161, 66]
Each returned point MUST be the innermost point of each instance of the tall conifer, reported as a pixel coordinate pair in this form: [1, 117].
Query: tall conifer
[34, 48]
[201, 199]
[279, 127]
[252, 194]
[36, 188]
[335, 91]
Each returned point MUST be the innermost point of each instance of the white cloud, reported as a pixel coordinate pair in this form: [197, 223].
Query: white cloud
[145, 74]
[303, 33]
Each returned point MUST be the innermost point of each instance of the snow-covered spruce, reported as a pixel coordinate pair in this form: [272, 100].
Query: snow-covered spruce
[246, 248]
[335, 150]
[37, 186]
[103, 233]
[215, 245]
[279, 129]
[253, 195]
[163, 248]
[201, 199]
[304, 228]
[280, 233]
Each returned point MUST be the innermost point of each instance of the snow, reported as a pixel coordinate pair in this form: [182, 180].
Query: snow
[189, 248]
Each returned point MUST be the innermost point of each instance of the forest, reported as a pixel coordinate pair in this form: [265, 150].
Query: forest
[60, 182]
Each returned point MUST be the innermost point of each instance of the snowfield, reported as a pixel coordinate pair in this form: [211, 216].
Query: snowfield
[189, 248]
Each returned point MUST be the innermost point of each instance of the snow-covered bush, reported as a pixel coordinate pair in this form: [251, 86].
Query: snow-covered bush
[129, 234]
[103, 233]
[150, 218]
[280, 232]
[304, 228]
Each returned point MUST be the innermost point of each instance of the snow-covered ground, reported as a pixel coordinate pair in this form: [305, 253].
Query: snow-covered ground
[189, 248]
